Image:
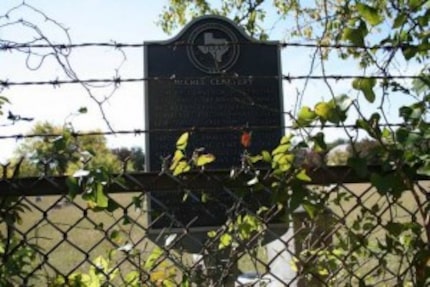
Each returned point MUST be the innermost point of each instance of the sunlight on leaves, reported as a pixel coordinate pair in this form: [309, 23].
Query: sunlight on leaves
[205, 159]
[182, 141]
[366, 87]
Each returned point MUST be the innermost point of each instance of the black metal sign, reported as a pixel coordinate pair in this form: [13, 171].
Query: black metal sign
[213, 80]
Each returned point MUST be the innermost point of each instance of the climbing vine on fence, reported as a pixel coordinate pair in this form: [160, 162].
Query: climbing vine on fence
[379, 236]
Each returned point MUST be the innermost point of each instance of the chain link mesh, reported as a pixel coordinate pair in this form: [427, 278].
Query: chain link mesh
[210, 229]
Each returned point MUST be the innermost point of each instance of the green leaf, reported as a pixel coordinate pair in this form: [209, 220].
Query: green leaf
[319, 141]
[371, 126]
[182, 142]
[297, 197]
[284, 167]
[366, 86]
[132, 278]
[179, 155]
[3, 100]
[281, 149]
[310, 209]
[284, 158]
[389, 184]
[306, 116]
[414, 4]
[262, 210]
[370, 14]
[115, 236]
[323, 110]
[102, 263]
[112, 205]
[394, 228]
[137, 202]
[101, 199]
[266, 156]
[386, 134]
[286, 139]
[186, 282]
[255, 158]
[343, 102]
[359, 165]
[212, 234]
[73, 187]
[355, 36]
[125, 220]
[409, 51]
[225, 241]
[302, 175]
[156, 253]
[83, 110]
[414, 112]
[169, 283]
[425, 169]
[400, 20]
[204, 198]
[402, 135]
[205, 159]
[181, 167]
[380, 183]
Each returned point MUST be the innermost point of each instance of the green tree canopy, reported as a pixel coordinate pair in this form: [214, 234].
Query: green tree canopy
[64, 154]
[401, 24]
[133, 155]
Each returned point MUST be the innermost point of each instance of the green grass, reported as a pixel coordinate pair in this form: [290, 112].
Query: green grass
[65, 232]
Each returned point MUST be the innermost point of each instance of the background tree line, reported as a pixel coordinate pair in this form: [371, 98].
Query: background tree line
[66, 153]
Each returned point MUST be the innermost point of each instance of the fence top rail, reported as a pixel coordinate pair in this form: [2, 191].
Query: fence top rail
[154, 181]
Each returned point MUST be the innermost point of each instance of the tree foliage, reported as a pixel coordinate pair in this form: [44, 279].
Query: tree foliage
[64, 154]
[133, 155]
[377, 35]
[400, 24]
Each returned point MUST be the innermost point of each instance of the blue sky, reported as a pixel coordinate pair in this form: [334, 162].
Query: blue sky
[88, 21]
[128, 21]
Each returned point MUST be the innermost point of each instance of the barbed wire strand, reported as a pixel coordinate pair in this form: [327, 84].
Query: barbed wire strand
[118, 80]
[9, 46]
[52, 50]
[138, 132]
[61, 51]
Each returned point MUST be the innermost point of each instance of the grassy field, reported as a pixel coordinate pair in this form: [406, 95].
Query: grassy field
[66, 232]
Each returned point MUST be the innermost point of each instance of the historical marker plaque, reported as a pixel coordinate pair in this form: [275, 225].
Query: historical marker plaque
[212, 79]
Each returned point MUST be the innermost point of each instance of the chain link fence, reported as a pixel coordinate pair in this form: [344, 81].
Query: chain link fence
[272, 221]
[210, 228]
